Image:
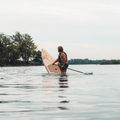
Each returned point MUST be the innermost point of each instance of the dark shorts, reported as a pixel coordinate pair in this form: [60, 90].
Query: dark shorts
[64, 69]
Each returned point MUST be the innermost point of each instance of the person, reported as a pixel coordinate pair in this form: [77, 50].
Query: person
[62, 60]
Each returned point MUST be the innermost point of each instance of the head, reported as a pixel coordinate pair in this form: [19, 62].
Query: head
[60, 49]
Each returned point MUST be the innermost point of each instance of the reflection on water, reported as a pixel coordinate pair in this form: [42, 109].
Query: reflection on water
[53, 86]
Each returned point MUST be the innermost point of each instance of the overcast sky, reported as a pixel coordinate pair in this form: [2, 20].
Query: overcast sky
[85, 28]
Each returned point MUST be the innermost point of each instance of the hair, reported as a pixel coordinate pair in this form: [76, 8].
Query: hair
[60, 49]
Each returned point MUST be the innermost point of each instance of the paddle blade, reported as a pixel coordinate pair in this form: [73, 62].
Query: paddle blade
[89, 73]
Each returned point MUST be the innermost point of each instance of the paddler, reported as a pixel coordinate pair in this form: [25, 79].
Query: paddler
[62, 60]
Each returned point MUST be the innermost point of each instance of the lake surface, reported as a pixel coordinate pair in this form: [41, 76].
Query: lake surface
[30, 93]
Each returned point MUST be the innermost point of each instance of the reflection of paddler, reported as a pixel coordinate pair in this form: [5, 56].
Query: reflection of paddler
[62, 60]
[63, 82]
[51, 85]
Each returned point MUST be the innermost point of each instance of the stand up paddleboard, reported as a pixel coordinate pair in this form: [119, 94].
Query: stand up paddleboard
[48, 60]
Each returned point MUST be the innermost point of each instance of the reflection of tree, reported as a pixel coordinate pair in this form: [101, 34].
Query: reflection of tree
[55, 86]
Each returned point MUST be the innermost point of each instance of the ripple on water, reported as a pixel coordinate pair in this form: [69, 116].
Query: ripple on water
[28, 93]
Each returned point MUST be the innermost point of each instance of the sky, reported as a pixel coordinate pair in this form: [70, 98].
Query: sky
[85, 28]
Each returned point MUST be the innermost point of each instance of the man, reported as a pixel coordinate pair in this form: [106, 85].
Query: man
[62, 60]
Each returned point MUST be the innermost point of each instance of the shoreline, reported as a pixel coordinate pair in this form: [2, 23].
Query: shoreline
[19, 65]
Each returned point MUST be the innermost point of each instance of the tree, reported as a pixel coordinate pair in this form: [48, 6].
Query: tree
[14, 54]
[1, 49]
[28, 48]
[16, 47]
[37, 58]
[5, 45]
[25, 45]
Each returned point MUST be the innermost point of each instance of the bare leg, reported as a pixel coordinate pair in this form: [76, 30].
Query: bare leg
[63, 73]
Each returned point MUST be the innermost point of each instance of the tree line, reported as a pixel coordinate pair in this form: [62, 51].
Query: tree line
[86, 61]
[109, 62]
[18, 49]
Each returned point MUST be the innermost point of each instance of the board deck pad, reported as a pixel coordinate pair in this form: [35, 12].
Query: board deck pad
[48, 60]
[54, 69]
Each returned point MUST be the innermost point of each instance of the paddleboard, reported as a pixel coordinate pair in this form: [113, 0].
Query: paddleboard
[48, 60]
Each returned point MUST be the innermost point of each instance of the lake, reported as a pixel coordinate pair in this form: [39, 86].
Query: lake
[30, 93]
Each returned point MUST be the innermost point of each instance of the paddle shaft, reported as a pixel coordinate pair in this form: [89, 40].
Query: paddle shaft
[75, 70]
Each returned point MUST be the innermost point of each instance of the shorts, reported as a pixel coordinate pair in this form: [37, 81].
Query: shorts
[64, 69]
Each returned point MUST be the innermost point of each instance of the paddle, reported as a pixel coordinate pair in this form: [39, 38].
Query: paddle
[78, 71]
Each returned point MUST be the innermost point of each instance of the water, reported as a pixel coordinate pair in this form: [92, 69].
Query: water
[30, 93]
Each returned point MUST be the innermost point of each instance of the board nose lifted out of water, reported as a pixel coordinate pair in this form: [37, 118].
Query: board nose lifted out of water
[48, 60]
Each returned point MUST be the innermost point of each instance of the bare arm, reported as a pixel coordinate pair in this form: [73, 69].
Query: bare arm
[55, 61]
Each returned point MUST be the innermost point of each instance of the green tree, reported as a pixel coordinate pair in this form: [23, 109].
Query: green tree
[4, 49]
[25, 45]
[37, 58]
[14, 54]
[28, 48]
[1, 49]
